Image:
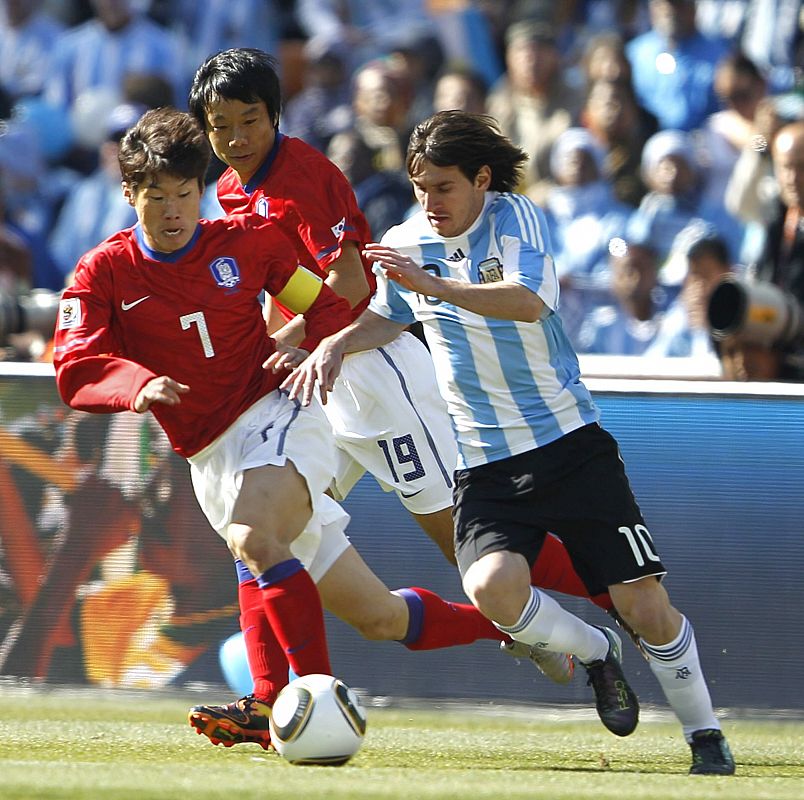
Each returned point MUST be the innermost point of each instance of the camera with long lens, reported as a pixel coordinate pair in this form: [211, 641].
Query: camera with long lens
[758, 312]
[34, 311]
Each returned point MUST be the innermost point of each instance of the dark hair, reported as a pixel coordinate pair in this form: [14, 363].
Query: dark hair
[712, 246]
[243, 73]
[741, 64]
[164, 140]
[467, 141]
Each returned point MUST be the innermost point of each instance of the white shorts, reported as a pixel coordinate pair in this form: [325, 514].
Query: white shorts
[276, 430]
[390, 420]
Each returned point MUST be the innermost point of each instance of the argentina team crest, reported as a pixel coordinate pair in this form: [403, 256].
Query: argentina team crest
[490, 270]
[225, 271]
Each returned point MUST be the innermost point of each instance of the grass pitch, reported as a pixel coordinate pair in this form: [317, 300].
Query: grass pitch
[91, 746]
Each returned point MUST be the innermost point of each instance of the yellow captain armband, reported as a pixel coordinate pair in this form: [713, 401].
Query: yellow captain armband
[300, 291]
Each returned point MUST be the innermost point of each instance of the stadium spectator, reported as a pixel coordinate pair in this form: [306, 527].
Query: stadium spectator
[381, 100]
[371, 151]
[612, 115]
[604, 59]
[773, 37]
[628, 325]
[99, 53]
[30, 195]
[324, 106]
[782, 260]
[673, 66]
[214, 25]
[27, 36]
[584, 216]
[532, 102]
[752, 192]
[417, 59]
[724, 134]
[76, 231]
[684, 329]
[369, 29]
[671, 172]
[458, 87]
[521, 472]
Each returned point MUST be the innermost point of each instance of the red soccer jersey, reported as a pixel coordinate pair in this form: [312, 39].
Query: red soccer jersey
[194, 315]
[310, 199]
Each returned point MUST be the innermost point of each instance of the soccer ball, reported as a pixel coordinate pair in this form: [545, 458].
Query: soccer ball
[317, 719]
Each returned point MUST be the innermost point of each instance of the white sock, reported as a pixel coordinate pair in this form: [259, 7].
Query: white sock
[544, 623]
[678, 669]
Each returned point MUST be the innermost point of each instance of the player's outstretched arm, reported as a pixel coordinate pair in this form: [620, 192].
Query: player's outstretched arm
[500, 300]
[159, 390]
[323, 366]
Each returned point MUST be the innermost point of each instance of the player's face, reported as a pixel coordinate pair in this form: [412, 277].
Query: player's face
[241, 134]
[168, 209]
[451, 201]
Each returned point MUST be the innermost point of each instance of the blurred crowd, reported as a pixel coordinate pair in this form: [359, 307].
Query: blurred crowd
[666, 137]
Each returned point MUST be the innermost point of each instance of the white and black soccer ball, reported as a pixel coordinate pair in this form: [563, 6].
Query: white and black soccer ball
[317, 719]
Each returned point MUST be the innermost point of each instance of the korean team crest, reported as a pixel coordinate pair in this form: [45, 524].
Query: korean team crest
[261, 207]
[225, 271]
[69, 313]
[490, 270]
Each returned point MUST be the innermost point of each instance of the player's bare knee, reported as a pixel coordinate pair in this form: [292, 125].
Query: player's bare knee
[645, 606]
[489, 595]
[251, 545]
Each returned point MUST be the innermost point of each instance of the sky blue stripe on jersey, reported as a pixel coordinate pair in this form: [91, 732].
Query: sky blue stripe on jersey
[521, 385]
[403, 383]
[533, 225]
[464, 376]
[565, 362]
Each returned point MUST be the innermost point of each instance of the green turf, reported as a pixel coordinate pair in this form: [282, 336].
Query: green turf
[63, 746]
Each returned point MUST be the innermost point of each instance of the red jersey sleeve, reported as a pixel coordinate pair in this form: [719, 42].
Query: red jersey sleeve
[90, 373]
[326, 214]
[302, 291]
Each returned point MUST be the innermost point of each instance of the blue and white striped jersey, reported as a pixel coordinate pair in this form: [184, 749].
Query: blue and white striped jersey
[510, 386]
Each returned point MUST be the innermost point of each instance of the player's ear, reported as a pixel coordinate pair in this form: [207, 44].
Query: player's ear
[483, 177]
[128, 193]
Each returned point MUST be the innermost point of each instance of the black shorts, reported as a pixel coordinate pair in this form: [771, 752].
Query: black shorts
[576, 488]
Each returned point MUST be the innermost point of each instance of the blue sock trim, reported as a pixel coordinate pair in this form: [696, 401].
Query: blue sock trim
[526, 617]
[279, 572]
[243, 572]
[672, 651]
[416, 615]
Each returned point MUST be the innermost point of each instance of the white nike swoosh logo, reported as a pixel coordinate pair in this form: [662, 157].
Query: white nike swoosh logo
[128, 306]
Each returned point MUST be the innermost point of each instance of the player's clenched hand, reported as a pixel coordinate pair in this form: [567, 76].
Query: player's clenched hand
[160, 390]
[285, 357]
[321, 368]
[402, 269]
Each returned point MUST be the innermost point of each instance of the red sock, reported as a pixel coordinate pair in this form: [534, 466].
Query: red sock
[266, 658]
[293, 608]
[553, 570]
[436, 623]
